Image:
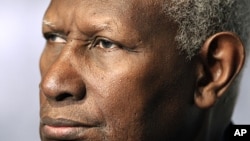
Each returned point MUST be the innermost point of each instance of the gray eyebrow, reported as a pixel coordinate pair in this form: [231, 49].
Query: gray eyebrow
[48, 23]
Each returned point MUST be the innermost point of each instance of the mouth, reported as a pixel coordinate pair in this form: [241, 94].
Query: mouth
[64, 129]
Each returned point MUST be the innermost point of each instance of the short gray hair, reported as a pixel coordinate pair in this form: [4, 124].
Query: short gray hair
[199, 19]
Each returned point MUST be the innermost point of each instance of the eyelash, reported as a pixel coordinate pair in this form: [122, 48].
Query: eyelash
[51, 37]
[102, 41]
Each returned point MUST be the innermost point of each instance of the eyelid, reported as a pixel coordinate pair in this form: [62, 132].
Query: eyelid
[98, 39]
[49, 35]
[119, 45]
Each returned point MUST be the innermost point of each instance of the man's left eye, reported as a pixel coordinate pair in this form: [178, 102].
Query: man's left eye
[105, 44]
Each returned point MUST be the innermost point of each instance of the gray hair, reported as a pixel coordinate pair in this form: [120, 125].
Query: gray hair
[199, 19]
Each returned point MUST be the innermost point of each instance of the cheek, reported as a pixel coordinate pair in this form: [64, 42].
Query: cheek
[137, 96]
[121, 95]
[122, 106]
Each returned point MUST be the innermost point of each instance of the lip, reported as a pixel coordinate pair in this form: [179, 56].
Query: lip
[61, 122]
[64, 129]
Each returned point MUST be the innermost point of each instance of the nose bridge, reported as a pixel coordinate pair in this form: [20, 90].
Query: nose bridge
[62, 81]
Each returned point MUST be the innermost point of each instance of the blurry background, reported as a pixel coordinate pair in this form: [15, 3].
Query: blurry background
[21, 43]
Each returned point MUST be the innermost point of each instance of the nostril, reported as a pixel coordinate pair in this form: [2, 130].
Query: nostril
[63, 96]
[70, 96]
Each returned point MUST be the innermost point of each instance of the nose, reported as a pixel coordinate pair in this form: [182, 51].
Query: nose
[62, 82]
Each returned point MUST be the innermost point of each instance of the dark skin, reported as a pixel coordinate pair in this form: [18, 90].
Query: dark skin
[113, 72]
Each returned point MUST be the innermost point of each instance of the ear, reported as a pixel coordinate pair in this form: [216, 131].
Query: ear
[219, 61]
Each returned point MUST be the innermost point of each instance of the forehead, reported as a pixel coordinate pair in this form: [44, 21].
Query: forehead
[109, 6]
[130, 11]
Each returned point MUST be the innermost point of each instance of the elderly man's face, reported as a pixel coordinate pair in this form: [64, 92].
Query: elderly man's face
[111, 71]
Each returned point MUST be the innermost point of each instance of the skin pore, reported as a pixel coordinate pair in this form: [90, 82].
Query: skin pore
[111, 71]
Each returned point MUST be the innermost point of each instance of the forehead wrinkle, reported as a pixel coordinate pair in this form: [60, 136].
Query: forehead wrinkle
[97, 23]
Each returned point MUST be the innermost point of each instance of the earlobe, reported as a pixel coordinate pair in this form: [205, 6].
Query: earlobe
[219, 61]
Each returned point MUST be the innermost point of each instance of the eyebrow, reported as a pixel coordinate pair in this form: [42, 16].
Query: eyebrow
[97, 27]
[48, 23]
[103, 27]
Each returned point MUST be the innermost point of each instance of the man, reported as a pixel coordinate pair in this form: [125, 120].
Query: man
[140, 70]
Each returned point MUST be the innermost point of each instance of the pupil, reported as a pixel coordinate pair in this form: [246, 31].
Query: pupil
[106, 44]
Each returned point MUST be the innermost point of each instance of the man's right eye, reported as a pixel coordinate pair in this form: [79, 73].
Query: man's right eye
[54, 38]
